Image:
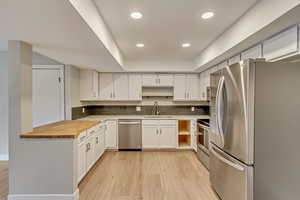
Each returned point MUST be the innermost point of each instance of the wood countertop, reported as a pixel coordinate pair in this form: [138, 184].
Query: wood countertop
[62, 129]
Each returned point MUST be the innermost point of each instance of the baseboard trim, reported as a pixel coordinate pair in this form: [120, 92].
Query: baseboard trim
[74, 196]
[3, 157]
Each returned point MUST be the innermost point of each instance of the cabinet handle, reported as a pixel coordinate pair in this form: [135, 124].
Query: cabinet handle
[111, 95]
[156, 131]
[97, 140]
[160, 131]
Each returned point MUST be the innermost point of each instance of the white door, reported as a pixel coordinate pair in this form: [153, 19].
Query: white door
[106, 85]
[166, 80]
[167, 137]
[180, 87]
[121, 87]
[95, 84]
[150, 137]
[48, 95]
[135, 87]
[89, 85]
[193, 85]
[150, 80]
[111, 135]
[81, 161]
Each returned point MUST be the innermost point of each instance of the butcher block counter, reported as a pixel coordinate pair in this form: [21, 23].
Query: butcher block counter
[62, 129]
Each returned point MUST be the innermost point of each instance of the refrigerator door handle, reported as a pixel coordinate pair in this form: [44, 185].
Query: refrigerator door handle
[226, 161]
[218, 107]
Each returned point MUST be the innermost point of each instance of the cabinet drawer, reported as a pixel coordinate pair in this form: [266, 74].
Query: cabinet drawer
[150, 122]
[91, 131]
[81, 137]
[167, 122]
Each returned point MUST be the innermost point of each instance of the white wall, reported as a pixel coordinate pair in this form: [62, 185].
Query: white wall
[72, 92]
[3, 106]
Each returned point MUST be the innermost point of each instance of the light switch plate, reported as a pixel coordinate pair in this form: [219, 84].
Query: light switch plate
[83, 110]
[138, 109]
[193, 109]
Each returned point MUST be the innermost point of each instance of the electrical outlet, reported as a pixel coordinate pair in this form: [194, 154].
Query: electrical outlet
[83, 110]
[138, 109]
[193, 109]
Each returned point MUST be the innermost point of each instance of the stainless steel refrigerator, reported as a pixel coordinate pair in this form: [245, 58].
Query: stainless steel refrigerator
[255, 138]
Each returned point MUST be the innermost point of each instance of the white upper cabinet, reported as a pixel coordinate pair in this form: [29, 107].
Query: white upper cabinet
[135, 87]
[180, 87]
[89, 85]
[234, 59]
[121, 84]
[254, 52]
[166, 80]
[158, 80]
[186, 87]
[106, 85]
[283, 44]
[150, 80]
[193, 87]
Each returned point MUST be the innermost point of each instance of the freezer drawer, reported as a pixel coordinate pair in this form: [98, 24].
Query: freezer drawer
[231, 179]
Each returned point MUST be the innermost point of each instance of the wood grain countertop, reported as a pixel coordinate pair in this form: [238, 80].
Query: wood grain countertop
[62, 129]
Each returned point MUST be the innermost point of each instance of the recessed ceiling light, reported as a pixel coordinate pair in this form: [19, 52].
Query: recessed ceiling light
[136, 15]
[140, 45]
[207, 15]
[185, 45]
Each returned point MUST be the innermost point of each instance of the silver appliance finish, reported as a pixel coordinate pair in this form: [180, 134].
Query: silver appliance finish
[130, 135]
[255, 131]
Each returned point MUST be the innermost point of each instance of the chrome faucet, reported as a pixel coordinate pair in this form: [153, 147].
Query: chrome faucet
[155, 110]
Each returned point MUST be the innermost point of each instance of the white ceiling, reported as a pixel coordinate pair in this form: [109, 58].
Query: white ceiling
[166, 25]
[55, 29]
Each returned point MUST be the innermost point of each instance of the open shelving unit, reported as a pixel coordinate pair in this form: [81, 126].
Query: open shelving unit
[184, 133]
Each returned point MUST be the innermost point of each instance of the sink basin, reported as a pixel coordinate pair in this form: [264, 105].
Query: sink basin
[158, 116]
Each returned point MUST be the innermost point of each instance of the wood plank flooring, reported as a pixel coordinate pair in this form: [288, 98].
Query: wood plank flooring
[3, 180]
[140, 176]
[147, 176]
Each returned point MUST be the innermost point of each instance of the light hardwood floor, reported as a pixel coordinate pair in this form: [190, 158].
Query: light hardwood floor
[147, 176]
[140, 176]
[3, 180]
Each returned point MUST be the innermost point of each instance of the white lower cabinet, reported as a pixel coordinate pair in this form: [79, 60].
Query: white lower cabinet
[81, 170]
[91, 146]
[159, 134]
[111, 134]
[90, 153]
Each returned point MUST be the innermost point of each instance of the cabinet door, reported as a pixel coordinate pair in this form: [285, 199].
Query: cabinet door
[194, 134]
[81, 161]
[102, 142]
[254, 52]
[150, 80]
[106, 85]
[111, 135]
[88, 85]
[165, 80]
[121, 92]
[180, 93]
[90, 148]
[283, 44]
[193, 85]
[135, 87]
[234, 59]
[167, 137]
[97, 149]
[150, 137]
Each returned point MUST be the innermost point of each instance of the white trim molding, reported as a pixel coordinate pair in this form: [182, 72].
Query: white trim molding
[74, 196]
[3, 157]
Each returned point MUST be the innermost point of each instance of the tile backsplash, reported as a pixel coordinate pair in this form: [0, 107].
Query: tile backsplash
[131, 110]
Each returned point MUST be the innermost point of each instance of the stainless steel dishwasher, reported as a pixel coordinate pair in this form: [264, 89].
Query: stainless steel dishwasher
[130, 135]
